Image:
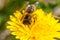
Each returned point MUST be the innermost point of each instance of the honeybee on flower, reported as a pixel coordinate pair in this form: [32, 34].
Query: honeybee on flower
[27, 16]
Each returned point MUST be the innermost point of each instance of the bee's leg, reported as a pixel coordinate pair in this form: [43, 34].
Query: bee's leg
[22, 18]
[33, 19]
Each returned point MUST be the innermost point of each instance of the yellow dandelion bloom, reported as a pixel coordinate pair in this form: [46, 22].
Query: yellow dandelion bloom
[44, 28]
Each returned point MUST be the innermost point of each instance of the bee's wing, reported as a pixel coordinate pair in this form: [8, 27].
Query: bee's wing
[36, 4]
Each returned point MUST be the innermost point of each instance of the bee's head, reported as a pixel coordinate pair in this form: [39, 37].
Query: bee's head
[30, 8]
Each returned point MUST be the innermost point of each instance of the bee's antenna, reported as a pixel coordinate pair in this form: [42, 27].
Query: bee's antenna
[24, 5]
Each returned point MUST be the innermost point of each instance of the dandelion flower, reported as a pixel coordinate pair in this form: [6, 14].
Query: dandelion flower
[44, 28]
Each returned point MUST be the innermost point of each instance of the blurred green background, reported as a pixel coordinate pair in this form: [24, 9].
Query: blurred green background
[8, 7]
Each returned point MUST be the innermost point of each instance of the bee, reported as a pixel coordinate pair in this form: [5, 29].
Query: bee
[27, 16]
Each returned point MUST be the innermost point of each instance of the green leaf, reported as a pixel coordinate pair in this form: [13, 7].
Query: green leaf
[2, 22]
[41, 5]
[13, 38]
